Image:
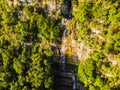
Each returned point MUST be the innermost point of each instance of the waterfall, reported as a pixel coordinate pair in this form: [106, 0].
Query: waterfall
[62, 63]
[62, 51]
[70, 12]
[74, 81]
[64, 33]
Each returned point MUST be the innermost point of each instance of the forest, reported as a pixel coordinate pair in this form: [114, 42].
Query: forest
[29, 28]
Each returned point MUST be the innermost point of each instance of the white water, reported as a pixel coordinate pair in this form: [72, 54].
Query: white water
[74, 82]
[62, 51]
[64, 33]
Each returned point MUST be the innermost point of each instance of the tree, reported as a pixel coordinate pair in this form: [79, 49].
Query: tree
[26, 38]
[101, 18]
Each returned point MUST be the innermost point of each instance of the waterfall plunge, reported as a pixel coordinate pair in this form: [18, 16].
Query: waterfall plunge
[74, 81]
[62, 51]
[63, 58]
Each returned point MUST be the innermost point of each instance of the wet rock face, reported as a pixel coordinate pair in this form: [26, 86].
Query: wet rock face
[76, 51]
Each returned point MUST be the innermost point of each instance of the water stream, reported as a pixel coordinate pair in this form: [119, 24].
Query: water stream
[62, 51]
[74, 81]
[62, 62]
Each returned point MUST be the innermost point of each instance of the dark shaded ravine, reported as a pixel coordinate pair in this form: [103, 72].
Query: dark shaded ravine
[63, 80]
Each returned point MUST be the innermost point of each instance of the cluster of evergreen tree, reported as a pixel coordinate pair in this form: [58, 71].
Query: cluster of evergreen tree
[99, 29]
[26, 37]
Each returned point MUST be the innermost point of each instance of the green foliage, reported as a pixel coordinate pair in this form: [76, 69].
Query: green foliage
[83, 14]
[85, 71]
[101, 19]
[28, 10]
[26, 37]
[27, 33]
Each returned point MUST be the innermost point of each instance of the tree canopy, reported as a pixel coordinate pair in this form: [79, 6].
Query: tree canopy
[99, 28]
[26, 37]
